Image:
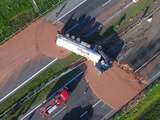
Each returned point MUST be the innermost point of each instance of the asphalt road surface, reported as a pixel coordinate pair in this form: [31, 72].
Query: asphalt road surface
[142, 43]
[89, 7]
[25, 74]
[83, 105]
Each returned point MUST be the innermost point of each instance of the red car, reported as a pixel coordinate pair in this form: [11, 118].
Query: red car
[61, 98]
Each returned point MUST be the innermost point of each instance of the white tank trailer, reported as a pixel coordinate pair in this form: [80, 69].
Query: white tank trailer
[78, 48]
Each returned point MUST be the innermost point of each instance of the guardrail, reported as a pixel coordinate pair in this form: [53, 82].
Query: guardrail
[40, 88]
[154, 80]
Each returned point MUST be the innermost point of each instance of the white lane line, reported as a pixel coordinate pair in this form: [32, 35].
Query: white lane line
[106, 3]
[92, 107]
[31, 111]
[46, 100]
[26, 81]
[148, 61]
[103, 105]
[108, 114]
[70, 11]
[59, 111]
[83, 114]
[97, 103]
[155, 76]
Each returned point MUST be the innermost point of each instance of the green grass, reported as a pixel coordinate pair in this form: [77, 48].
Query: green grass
[45, 4]
[15, 14]
[39, 97]
[51, 72]
[147, 109]
[124, 19]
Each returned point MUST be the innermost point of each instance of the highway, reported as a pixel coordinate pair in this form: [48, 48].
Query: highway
[83, 105]
[89, 7]
[61, 13]
[19, 78]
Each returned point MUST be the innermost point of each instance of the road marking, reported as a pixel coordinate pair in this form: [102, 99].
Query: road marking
[70, 11]
[148, 61]
[83, 114]
[97, 103]
[92, 107]
[106, 115]
[59, 111]
[103, 105]
[107, 2]
[31, 111]
[26, 81]
[46, 100]
[155, 76]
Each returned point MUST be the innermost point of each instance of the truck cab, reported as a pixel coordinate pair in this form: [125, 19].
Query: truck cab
[61, 98]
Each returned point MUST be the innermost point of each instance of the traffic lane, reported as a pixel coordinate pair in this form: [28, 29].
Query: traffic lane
[82, 100]
[63, 9]
[83, 105]
[71, 86]
[81, 95]
[30, 69]
[151, 69]
[100, 109]
[90, 7]
[95, 111]
[141, 42]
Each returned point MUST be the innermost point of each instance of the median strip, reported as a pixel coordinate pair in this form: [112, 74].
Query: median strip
[30, 88]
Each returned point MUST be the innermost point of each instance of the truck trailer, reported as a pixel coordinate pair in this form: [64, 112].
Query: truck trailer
[78, 48]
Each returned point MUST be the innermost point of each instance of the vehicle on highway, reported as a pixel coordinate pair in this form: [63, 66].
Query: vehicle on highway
[61, 98]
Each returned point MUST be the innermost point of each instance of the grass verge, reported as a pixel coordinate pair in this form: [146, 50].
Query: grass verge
[147, 108]
[15, 14]
[37, 99]
[53, 71]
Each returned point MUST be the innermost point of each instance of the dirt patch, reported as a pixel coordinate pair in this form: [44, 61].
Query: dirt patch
[36, 40]
[115, 86]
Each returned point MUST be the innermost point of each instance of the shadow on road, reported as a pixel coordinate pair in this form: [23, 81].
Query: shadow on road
[70, 81]
[79, 113]
[71, 87]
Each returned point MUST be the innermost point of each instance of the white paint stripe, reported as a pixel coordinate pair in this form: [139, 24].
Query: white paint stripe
[106, 3]
[147, 62]
[92, 107]
[155, 76]
[83, 114]
[108, 114]
[97, 103]
[70, 11]
[46, 100]
[59, 111]
[31, 111]
[26, 81]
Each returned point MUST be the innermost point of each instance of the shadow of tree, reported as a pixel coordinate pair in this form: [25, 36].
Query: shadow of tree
[78, 113]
